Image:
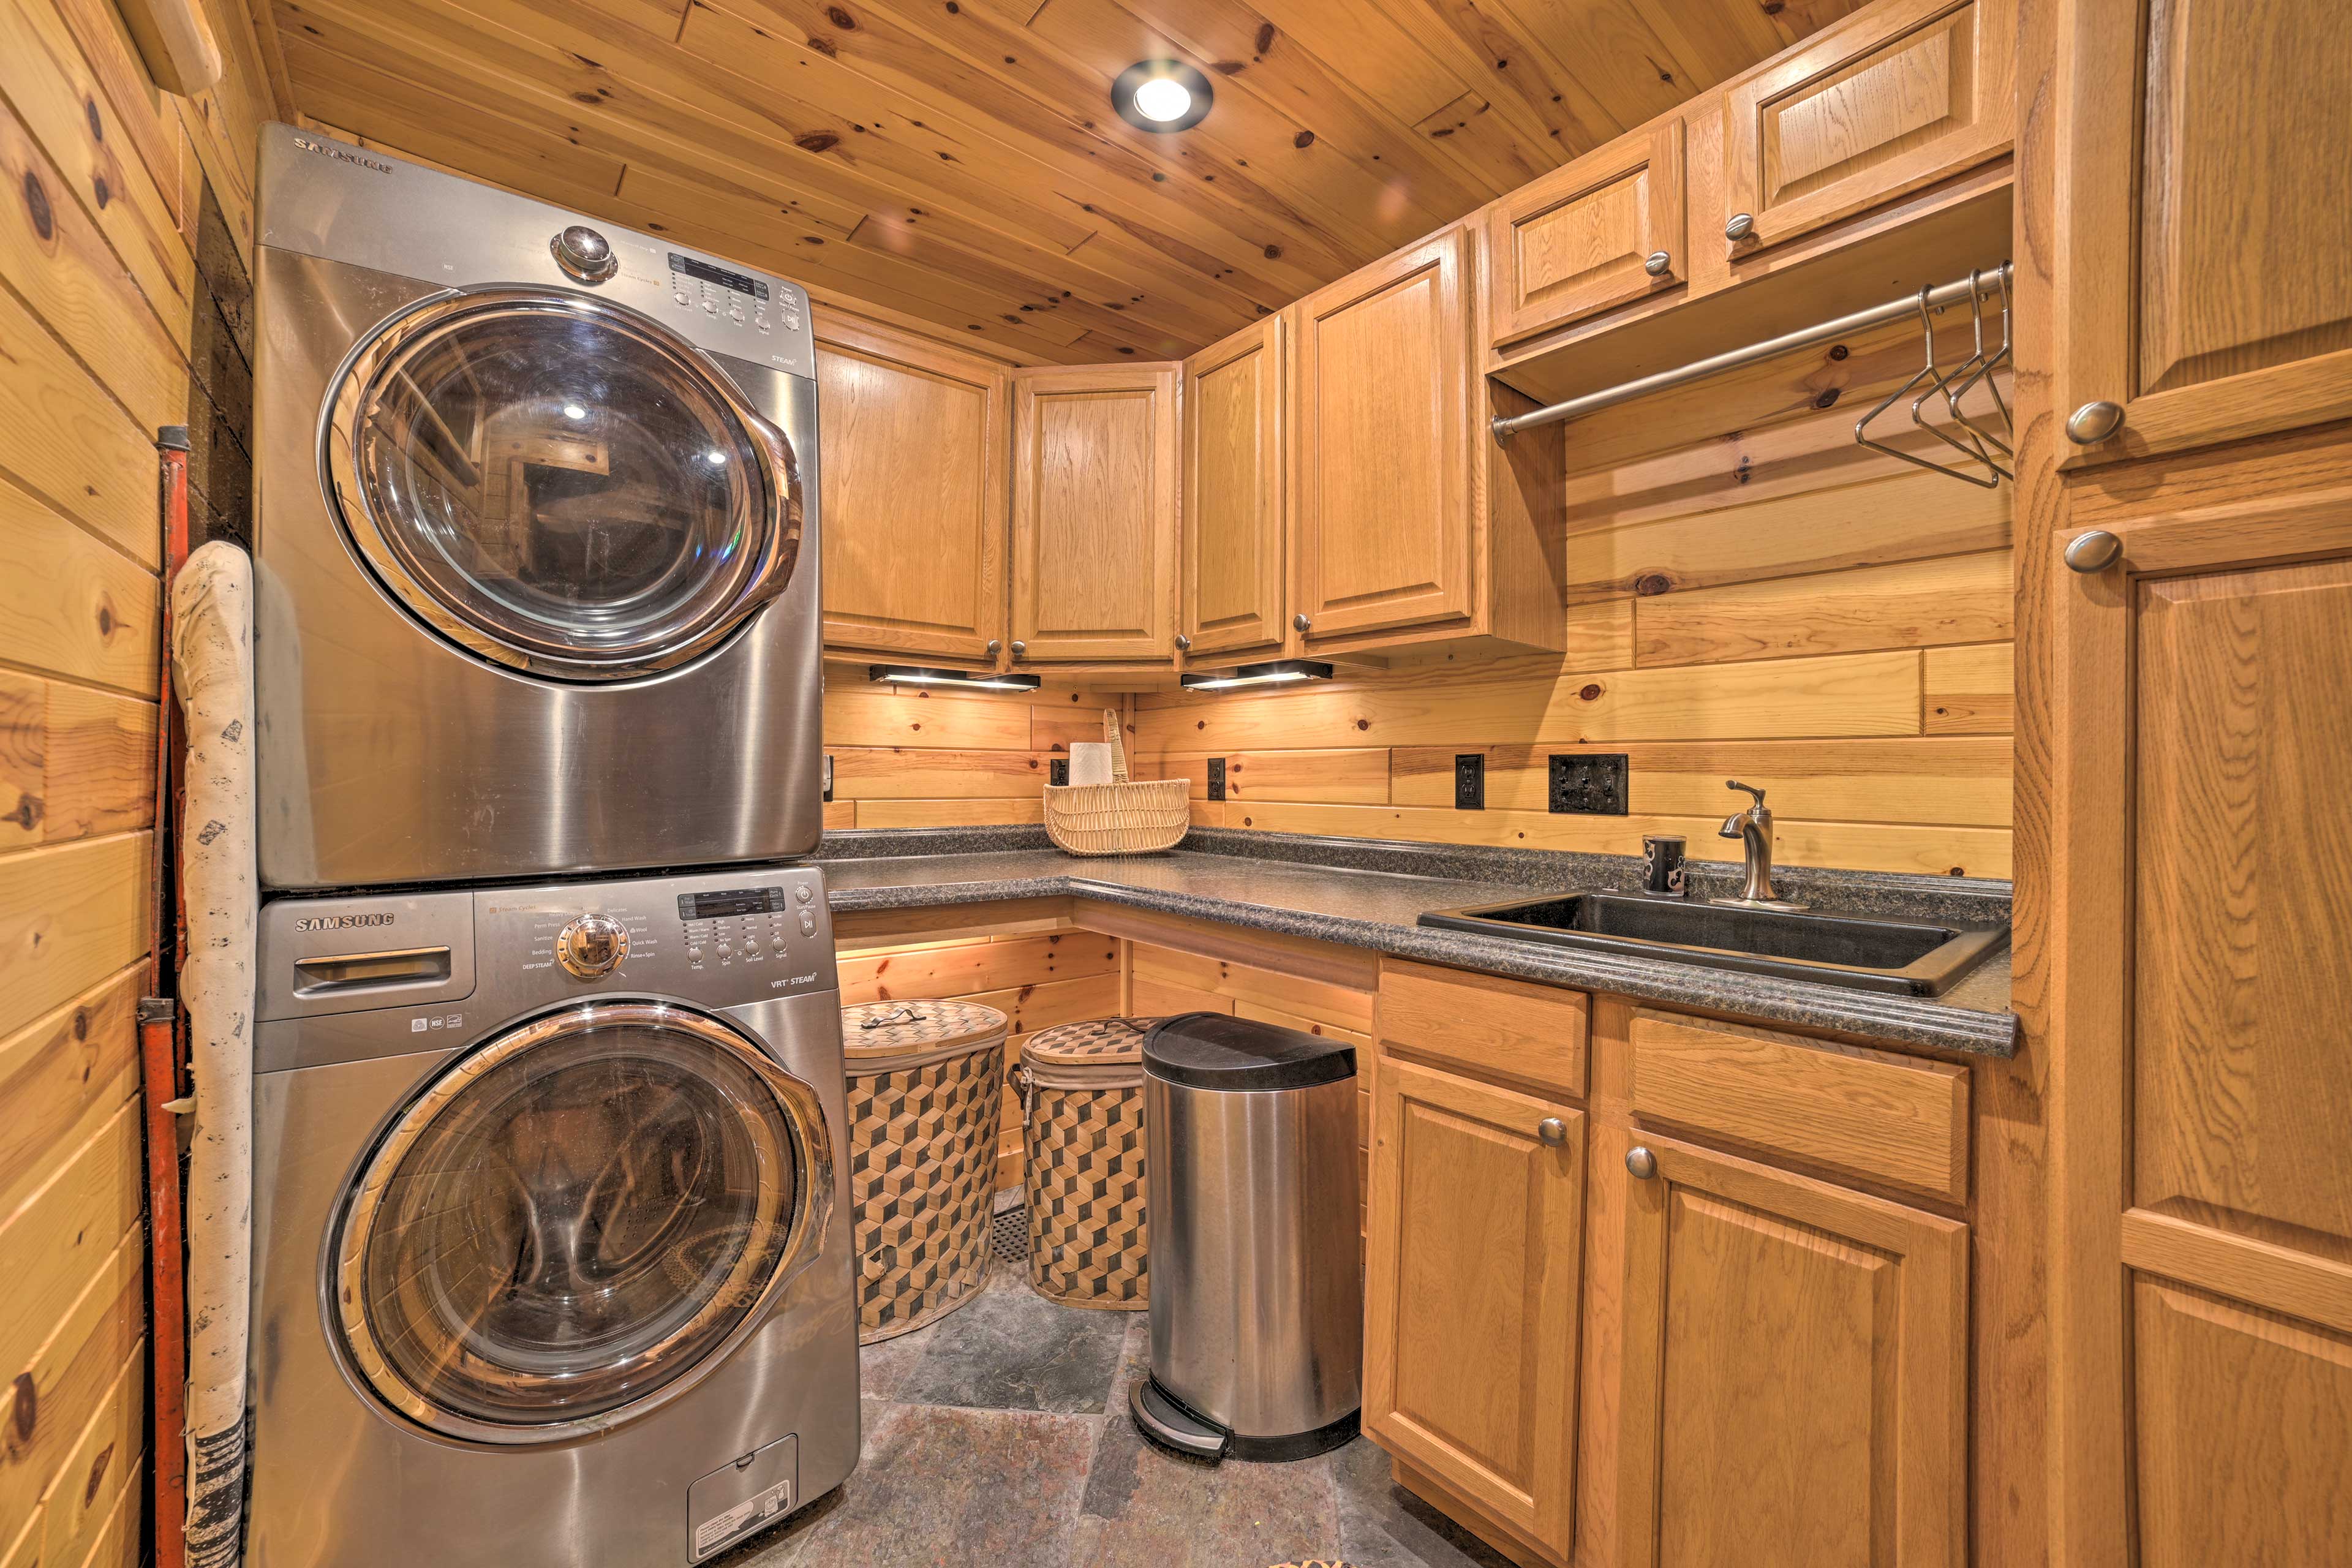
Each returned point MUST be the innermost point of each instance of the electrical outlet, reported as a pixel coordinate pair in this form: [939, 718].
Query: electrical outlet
[1058, 771]
[1470, 782]
[1589, 782]
[1216, 778]
[828, 780]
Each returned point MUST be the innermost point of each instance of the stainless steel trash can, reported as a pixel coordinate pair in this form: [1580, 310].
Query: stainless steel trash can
[1257, 1285]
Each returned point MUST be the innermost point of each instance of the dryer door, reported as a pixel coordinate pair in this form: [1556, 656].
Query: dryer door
[558, 484]
[575, 1221]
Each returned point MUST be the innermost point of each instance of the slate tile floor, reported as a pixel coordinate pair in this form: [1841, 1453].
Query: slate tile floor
[1000, 1437]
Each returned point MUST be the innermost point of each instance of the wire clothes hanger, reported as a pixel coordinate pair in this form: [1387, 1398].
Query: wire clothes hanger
[1972, 443]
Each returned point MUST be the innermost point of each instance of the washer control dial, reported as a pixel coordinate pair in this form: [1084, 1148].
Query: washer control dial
[591, 946]
[584, 253]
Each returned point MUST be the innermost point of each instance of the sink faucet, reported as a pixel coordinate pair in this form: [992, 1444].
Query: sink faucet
[1753, 828]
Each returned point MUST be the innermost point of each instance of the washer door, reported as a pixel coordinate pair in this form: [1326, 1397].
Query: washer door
[576, 1220]
[558, 484]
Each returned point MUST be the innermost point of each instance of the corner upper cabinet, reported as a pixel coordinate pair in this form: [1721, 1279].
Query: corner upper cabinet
[1793, 1386]
[1234, 534]
[1901, 95]
[1384, 487]
[1095, 568]
[1603, 231]
[2204, 287]
[912, 495]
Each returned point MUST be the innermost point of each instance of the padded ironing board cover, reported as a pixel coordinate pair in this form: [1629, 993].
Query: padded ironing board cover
[212, 672]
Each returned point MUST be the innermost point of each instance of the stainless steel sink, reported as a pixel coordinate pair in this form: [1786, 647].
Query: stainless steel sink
[1866, 953]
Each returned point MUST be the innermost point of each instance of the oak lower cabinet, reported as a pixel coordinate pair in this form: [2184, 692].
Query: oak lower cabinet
[1095, 559]
[1471, 1262]
[1233, 505]
[2204, 290]
[1794, 1374]
[912, 491]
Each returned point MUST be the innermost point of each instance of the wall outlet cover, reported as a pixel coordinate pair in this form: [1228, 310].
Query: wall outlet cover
[1058, 770]
[828, 780]
[1470, 782]
[1216, 778]
[1590, 784]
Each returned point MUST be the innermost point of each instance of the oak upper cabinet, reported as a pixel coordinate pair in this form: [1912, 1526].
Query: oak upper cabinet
[2204, 287]
[1095, 570]
[1601, 232]
[2202, 1284]
[1898, 96]
[1385, 511]
[1794, 1370]
[1471, 1273]
[1234, 534]
[911, 485]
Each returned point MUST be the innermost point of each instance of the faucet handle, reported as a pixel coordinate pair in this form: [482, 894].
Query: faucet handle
[1751, 789]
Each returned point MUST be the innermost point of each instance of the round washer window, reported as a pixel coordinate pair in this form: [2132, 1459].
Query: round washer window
[573, 1217]
[560, 484]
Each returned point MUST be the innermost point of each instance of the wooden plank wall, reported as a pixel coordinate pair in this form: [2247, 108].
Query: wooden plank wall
[122, 228]
[1752, 596]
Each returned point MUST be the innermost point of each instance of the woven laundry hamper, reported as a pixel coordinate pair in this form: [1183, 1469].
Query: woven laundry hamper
[924, 1101]
[1082, 1136]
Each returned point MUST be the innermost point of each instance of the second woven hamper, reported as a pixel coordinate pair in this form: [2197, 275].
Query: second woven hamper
[924, 1103]
[1083, 1173]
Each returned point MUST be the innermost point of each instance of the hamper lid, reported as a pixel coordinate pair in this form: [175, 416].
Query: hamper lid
[883, 1036]
[1236, 1056]
[1096, 1043]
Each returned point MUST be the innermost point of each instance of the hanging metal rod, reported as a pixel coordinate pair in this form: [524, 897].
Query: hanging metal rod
[1895, 310]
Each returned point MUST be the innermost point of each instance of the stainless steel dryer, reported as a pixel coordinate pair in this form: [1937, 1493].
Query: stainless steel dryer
[552, 1244]
[536, 531]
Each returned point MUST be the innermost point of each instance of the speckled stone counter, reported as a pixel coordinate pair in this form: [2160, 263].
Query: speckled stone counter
[1370, 895]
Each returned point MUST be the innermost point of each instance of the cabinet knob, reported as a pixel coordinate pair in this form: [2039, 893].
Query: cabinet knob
[2094, 552]
[1660, 263]
[1184, 643]
[2093, 423]
[1641, 1162]
[1300, 621]
[1552, 1130]
[993, 646]
[1020, 651]
[1741, 226]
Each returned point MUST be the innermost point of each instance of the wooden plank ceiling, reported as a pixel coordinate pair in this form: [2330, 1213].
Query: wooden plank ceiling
[957, 162]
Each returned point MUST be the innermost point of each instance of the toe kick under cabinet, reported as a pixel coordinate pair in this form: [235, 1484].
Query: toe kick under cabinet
[1659, 1292]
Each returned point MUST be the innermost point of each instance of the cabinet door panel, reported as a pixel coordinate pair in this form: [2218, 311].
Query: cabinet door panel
[1094, 513]
[1908, 94]
[2206, 201]
[1382, 502]
[1578, 241]
[1795, 1372]
[912, 502]
[1233, 493]
[1471, 1277]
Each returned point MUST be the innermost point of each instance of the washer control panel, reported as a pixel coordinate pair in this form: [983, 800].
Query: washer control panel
[591, 946]
[745, 926]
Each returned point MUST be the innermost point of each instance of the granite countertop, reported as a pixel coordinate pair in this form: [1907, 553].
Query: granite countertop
[1370, 896]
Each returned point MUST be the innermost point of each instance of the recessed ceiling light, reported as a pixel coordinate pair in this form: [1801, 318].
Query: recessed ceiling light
[1161, 95]
[573, 411]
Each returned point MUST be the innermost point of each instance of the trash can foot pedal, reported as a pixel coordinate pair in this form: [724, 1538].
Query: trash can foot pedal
[1172, 1426]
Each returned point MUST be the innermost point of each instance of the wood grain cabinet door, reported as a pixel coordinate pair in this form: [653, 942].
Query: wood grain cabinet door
[912, 494]
[2204, 278]
[1094, 513]
[2201, 1126]
[1233, 493]
[1794, 1372]
[1604, 230]
[1904, 94]
[1471, 1277]
[1382, 512]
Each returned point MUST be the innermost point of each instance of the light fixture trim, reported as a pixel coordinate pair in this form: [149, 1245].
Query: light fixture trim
[970, 681]
[1127, 95]
[1271, 672]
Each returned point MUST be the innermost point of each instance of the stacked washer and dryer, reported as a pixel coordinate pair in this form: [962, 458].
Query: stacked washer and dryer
[551, 1260]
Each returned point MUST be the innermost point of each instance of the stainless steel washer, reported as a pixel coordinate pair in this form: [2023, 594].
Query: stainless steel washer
[552, 1244]
[537, 538]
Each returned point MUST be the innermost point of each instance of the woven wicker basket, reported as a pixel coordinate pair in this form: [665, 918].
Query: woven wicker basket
[924, 1103]
[1126, 817]
[1082, 1119]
